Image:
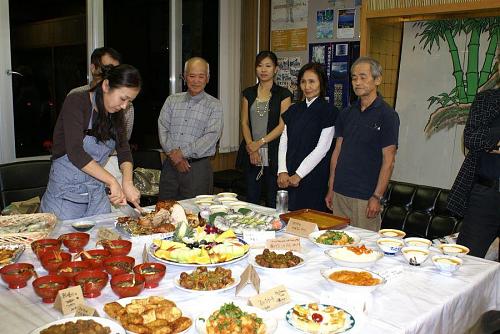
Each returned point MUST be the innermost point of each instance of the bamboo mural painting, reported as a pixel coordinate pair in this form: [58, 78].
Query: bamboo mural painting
[469, 76]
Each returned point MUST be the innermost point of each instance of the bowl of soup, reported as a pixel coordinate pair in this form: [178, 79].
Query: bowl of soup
[391, 233]
[415, 255]
[92, 282]
[75, 242]
[16, 275]
[48, 286]
[447, 264]
[95, 257]
[127, 285]
[52, 259]
[390, 246]
[453, 249]
[117, 265]
[117, 247]
[153, 273]
[418, 242]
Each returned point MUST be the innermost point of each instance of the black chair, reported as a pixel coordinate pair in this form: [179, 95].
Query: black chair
[20, 181]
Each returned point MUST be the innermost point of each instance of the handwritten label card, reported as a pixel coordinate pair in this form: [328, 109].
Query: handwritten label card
[67, 300]
[300, 228]
[85, 310]
[107, 234]
[291, 243]
[258, 238]
[271, 299]
[249, 275]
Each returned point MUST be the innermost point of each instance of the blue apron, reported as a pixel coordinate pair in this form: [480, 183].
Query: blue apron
[72, 193]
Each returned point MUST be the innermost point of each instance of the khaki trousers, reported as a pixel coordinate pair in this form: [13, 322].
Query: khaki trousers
[355, 210]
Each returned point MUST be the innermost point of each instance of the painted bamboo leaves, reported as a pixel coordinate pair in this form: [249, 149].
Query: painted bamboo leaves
[468, 77]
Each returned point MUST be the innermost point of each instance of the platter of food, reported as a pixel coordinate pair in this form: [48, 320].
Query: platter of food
[319, 319]
[203, 280]
[334, 238]
[231, 318]
[279, 260]
[10, 253]
[245, 220]
[354, 256]
[199, 247]
[95, 325]
[353, 279]
[153, 314]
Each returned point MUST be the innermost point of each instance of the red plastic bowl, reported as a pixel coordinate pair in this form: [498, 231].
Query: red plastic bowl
[16, 275]
[127, 291]
[96, 258]
[39, 247]
[92, 282]
[70, 269]
[75, 242]
[117, 247]
[48, 286]
[123, 261]
[153, 273]
[50, 263]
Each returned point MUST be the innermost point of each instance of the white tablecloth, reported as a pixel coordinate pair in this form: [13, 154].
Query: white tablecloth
[414, 300]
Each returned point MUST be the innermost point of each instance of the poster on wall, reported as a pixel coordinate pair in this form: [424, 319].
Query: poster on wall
[324, 24]
[289, 25]
[345, 24]
[287, 75]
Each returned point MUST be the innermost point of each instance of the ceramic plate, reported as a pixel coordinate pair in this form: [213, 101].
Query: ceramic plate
[115, 327]
[313, 236]
[227, 287]
[271, 323]
[252, 261]
[348, 324]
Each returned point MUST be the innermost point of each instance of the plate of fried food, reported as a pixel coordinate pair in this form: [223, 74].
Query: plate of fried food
[82, 325]
[353, 279]
[232, 318]
[319, 319]
[334, 238]
[204, 280]
[10, 253]
[149, 315]
[277, 260]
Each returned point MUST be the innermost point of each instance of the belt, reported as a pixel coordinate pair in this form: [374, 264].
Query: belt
[490, 183]
[191, 160]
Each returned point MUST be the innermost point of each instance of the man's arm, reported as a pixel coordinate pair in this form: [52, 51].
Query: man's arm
[388, 160]
[164, 127]
[333, 166]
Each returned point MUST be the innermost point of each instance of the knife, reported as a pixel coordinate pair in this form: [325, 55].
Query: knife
[126, 209]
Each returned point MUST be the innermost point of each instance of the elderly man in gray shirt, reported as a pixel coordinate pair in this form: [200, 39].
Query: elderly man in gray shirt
[189, 126]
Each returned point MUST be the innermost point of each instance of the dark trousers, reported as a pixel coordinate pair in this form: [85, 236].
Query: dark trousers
[177, 186]
[481, 224]
[267, 182]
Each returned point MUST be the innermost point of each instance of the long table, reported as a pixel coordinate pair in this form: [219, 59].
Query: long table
[414, 299]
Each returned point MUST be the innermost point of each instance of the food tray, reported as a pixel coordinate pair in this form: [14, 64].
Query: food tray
[146, 238]
[19, 249]
[325, 221]
[26, 228]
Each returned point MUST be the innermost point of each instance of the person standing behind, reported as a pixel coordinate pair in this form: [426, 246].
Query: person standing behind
[189, 126]
[303, 157]
[261, 125]
[364, 155]
[475, 194]
[89, 127]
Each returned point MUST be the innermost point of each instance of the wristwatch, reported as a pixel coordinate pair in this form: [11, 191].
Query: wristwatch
[377, 197]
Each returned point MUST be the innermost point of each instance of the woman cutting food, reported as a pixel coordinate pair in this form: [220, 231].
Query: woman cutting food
[89, 127]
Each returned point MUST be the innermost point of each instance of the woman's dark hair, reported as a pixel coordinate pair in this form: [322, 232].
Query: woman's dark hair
[266, 54]
[106, 125]
[320, 72]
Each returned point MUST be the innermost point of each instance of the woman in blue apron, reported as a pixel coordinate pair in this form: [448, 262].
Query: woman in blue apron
[89, 127]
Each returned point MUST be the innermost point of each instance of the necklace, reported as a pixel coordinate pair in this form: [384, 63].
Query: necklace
[262, 106]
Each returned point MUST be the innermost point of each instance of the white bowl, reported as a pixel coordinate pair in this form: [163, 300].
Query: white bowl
[391, 233]
[314, 235]
[217, 208]
[226, 194]
[349, 287]
[453, 249]
[415, 255]
[447, 264]
[227, 200]
[205, 197]
[83, 225]
[203, 204]
[418, 242]
[236, 205]
[390, 246]
[349, 259]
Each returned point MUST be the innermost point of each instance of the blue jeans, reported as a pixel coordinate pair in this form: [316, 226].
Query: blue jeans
[267, 183]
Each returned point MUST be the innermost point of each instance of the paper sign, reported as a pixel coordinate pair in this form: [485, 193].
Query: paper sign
[271, 299]
[144, 254]
[249, 275]
[107, 234]
[255, 238]
[67, 300]
[301, 228]
[83, 310]
[291, 243]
